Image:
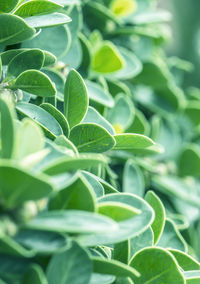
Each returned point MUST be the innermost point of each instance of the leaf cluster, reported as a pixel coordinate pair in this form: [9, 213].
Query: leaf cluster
[99, 146]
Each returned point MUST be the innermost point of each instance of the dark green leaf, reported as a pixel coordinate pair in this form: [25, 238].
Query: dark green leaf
[7, 5]
[33, 275]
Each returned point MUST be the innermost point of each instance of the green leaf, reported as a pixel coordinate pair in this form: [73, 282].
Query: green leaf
[8, 5]
[117, 211]
[71, 266]
[18, 186]
[90, 137]
[156, 265]
[58, 116]
[101, 12]
[124, 7]
[52, 20]
[35, 82]
[95, 184]
[133, 179]
[131, 141]
[132, 66]
[32, 8]
[75, 98]
[55, 40]
[124, 106]
[14, 29]
[82, 162]
[107, 59]
[12, 268]
[7, 129]
[185, 261]
[86, 55]
[189, 161]
[154, 73]
[97, 94]
[113, 267]
[127, 228]
[78, 195]
[122, 252]
[48, 123]
[34, 274]
[24, 61]
[72, 221]
[108, 188]
[8, 55]
[192, 111]
[58, 80]
[42, 242]
[171, 238]
[93, 116]
[159, 221]
[74, 55]
[29, 139]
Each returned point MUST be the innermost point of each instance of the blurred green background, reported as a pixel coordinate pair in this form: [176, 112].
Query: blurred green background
[185, 42]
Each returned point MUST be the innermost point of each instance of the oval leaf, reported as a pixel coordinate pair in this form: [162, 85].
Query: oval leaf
[156, 265]
[130, 141]
[41, 21]
[32, 8]
[14, 29]
[30, 59]
[90, 137]
[75, 98]
[72, 221]
[35, 82]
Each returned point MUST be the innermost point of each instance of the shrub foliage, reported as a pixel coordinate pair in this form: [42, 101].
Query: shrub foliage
[99, 146]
